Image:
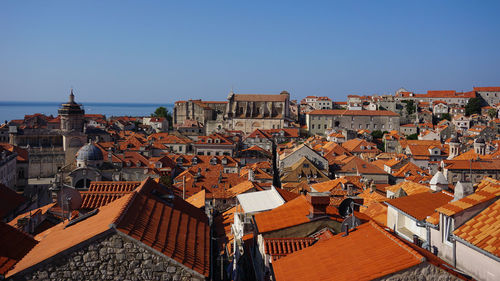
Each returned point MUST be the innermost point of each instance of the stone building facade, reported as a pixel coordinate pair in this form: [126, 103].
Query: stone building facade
[198, 110]
[318, 121]
[491, 95]
[250, 112]
[112, 257]
[8, 168]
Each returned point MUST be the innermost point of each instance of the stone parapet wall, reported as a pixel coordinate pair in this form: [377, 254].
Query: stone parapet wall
[112, 258]
[422, 272]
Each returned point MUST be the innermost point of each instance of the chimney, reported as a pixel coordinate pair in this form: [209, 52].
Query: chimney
[250, 175]
[318, 201]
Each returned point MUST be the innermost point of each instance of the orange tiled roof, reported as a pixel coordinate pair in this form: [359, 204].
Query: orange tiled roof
[176, 229]
[289, 214]
[42, 211]
[257, 97]
[409, 187]
[420, 205]
[487, 189]
[179, 231]
[483, 230]
[484, 164]
[360, 145]
[197, 199]
[355, 164]
[58, 238]
[13, 246]
[280, 247]
[487, 89]
[355, 258]
[101, 193]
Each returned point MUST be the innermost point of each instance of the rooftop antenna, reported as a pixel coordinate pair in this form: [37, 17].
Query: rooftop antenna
[346, 210]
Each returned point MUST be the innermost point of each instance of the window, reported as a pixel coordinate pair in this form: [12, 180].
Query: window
[447, 229]
[312, 126]
[324, 126]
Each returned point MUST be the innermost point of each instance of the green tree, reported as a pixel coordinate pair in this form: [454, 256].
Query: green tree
[166, 181]
[378, 134]
[412, 137]
[163, 112]
[473, 106]
[446, 116]
[410, 106]
[492, 113]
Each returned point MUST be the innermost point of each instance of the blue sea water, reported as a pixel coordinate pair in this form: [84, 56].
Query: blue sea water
[10, 110]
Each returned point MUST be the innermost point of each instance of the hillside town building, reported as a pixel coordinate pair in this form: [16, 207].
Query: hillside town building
[256, 187]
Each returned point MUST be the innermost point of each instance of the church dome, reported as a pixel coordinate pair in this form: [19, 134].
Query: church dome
[89, 152]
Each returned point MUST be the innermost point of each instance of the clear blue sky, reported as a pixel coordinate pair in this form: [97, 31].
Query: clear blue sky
[153, 51]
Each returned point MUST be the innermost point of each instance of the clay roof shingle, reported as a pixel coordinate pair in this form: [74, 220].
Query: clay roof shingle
[367, 253]
[483, 230]
[13, 246]
[420, 205]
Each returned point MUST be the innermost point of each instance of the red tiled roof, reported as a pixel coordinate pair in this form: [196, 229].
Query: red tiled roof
[179, 231]
[256, 97]
[101, 193]
[483, 230]
[487, 89]
[13, 246]
[174, 228]
[289, 214]
[367, 253]
[9, 200]
[280, 247]
[355, 164]
[353, 112]
[420, 205]
[487, 189]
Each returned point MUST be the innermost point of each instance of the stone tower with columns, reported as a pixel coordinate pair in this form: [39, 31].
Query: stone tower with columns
[72, 127]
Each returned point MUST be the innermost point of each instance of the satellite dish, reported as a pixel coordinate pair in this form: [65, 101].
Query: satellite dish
[350, 223]
[346, 207]
[69, 199]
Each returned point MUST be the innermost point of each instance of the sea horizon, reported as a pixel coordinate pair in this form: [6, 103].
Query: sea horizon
[12, 110]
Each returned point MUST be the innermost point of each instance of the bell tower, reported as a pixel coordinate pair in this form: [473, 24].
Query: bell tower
[72, 127]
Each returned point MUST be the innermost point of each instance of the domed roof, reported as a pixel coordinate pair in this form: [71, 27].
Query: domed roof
[89, 152]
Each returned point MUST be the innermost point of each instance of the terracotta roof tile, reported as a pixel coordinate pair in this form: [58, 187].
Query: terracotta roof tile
[289, 214]
[487, 189]
[409, 187]
[173, 227]
[257, 97]
[14, 245]
[101, 193]
[420, 205]
[483, 230]
[354, 258]
[487, 89]
[280, 247]
[58, 238]
[179, 231]
[197, 199]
